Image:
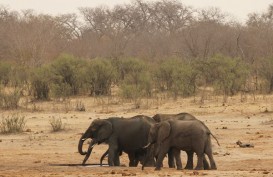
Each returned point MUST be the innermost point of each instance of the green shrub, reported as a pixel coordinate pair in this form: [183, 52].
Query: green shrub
[40, 83]
[175, 76]
[226, 74]
[265, 70]
[12, 124]
[56, 124]
[66, 76]
[19, 76]
[99, 76]
[5, 70]
[137, 81]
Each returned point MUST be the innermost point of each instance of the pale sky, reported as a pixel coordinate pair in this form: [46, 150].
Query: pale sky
[238, 8]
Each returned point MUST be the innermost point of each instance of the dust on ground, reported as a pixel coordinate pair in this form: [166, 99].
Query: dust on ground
[40, 152]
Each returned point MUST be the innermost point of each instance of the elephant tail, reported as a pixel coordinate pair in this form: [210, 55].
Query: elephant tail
[215, 139]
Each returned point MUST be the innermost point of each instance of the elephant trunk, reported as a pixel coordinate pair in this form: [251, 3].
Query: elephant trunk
[148, 154]
[90, 148]
[80, 145]
[103, 156]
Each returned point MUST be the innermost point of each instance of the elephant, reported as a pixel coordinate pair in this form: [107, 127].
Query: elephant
[181, 135]
[121, 134]
[137, 158]
[182, 117]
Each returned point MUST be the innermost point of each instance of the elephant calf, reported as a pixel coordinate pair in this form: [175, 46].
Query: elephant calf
[181, 135]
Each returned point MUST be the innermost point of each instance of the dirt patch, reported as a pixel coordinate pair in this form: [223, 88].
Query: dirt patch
[40, 152]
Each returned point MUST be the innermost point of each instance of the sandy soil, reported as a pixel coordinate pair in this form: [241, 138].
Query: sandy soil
[41, 152]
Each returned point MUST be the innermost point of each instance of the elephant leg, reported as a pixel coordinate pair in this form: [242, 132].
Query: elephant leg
[132, 159]
[189, 164]
[171, 159]
[206, 164]
[176, 153]
[139, 159]
[208, 151]
[113, 152]
[200, 165]
[116, 160]
[160, 158]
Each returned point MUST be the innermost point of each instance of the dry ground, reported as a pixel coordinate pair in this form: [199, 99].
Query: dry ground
[40, 151]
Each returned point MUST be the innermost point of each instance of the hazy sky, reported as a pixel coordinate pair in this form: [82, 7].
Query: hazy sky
[238, 8]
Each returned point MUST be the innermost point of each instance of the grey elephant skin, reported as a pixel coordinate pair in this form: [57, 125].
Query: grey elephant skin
[182, 117]
[138, 157]
[182, 135]
[121, 134]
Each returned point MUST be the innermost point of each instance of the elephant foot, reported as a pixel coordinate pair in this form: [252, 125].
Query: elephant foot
[179, 168]
[213, 168]
[157, 169]
[199, 168]
[188, 167]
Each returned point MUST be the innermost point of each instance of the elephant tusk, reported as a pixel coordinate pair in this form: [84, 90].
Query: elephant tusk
[93, 145]
[147, 146]
[83, 139]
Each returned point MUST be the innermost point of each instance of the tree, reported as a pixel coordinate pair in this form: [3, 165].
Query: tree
[66, 74]
[99, 76]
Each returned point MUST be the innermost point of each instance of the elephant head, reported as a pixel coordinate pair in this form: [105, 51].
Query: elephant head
[158, 133]
[99, 131]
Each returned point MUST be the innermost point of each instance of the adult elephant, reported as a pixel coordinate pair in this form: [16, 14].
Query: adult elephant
[128, 135]
[182, 117]
[181, 135]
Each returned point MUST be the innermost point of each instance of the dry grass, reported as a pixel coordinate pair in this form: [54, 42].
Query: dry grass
[12, 124]
[56, 124]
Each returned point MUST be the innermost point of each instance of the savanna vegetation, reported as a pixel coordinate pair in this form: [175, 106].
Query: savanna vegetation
[141, 48]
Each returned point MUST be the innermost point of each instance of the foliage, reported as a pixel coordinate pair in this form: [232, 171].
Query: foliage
[19, 76]
[66, 74]
[226, 74]
[12, 124]
[135, 78]
[40, 83]
[265, 67]
[175, 76]
[99, 76]
[5, 70]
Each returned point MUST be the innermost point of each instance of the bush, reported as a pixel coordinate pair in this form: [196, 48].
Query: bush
[265, 68]
[5, 70]
[40, 83]
[99, 76]
[10, 100]
[12, 124]
[176, 77]
[226, 74]
[19, 76]
[136, 81]
[56, 124]
[67, 76]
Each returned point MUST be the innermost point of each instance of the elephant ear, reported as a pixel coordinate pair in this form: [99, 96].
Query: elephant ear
[163, 131]
[105, 129]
